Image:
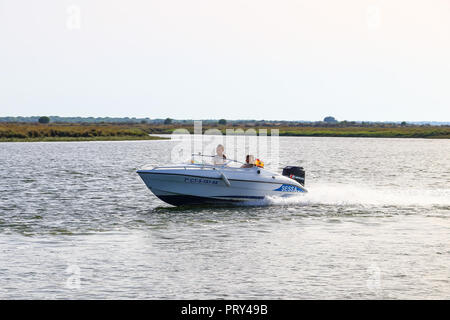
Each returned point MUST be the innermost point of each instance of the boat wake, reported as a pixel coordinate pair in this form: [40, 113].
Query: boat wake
[346, 195]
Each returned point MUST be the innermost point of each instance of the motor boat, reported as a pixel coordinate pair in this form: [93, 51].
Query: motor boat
[198, 183]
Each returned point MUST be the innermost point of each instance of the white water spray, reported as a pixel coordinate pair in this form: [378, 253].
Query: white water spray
[343, 195]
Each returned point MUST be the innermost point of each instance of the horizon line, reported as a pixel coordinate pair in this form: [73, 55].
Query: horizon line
[217, 119]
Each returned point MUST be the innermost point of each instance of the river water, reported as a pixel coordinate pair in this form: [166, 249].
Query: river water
[77, 222]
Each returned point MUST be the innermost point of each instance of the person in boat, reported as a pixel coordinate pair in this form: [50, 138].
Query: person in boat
[249, 161]
[220, 157]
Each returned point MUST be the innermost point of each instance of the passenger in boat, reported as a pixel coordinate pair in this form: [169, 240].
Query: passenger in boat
[219, 158]
[249, 161]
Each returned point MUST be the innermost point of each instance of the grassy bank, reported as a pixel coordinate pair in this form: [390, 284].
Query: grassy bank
[393, 132]
[387, 131]
[106, 132]
[15, 132]
[55, 139]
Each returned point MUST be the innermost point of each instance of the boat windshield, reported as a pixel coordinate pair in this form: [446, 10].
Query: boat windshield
[202, 159]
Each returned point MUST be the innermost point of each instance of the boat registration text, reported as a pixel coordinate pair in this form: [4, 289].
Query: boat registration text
[200, 180]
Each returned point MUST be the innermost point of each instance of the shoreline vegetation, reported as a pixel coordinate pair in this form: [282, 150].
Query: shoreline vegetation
[428, 132]
[36, 132]
[33, 132]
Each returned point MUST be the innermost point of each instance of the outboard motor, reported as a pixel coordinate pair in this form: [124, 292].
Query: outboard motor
[296, 173]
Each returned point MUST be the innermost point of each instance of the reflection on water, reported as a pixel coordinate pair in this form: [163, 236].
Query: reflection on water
[77, 222]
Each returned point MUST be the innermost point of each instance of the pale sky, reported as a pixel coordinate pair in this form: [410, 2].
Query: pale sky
[236, 59]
